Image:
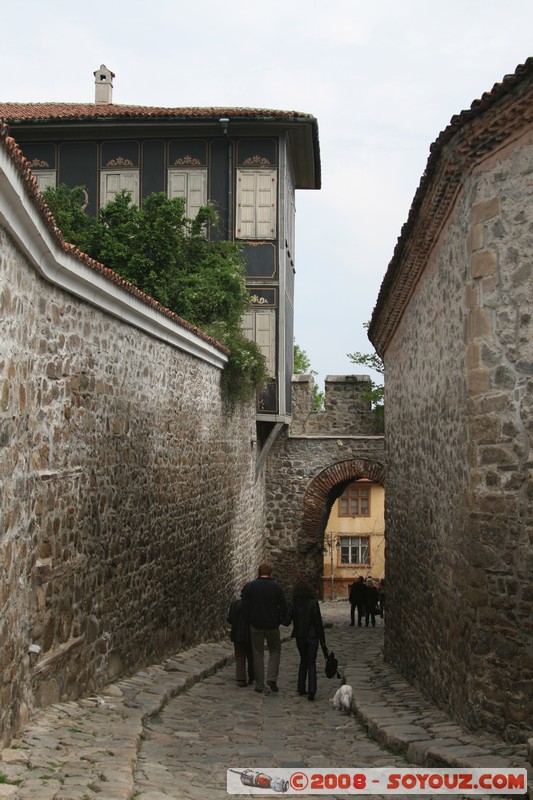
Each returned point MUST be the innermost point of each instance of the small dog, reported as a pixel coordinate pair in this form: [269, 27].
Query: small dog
[343, 699]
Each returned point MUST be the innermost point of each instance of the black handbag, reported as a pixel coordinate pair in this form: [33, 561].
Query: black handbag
[331, 668]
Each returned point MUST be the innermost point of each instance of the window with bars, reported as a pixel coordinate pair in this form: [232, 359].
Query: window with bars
[355, 549]
[355, 501]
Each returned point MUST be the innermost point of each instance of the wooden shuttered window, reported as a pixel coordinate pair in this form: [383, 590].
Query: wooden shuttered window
[256, 204]
[259, 325]
[113, 181]
[45, 178]
[190, 184]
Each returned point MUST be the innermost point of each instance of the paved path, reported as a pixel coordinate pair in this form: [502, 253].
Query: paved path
[172, 730]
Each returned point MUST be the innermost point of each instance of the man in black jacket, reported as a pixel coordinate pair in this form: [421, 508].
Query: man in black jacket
[357, 600]
[266, 607]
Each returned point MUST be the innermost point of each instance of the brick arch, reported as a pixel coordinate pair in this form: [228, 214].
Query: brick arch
[319, 496]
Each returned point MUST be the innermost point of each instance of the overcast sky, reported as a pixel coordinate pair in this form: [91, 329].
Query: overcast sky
[382, 78]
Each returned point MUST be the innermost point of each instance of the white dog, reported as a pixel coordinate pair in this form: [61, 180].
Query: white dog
[343, 698]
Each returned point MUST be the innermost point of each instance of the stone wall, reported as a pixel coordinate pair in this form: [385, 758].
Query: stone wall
[459, 423]
[306, 472]
[128, 495]
[346, 410]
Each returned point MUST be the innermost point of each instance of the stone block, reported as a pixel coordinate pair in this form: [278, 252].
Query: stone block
[488, 209]
[483, 263]
[480, 323]
[478, 381]
[476, 237]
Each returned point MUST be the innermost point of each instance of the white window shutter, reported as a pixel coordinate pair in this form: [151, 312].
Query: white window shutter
[197, 196]
[246, 205]
[177, 183]
[266, 205]
[265, 336]
[130, 182]
[45, 178]
[256, 204]
[259, 325]
[113, 182]
[247, 325]
[190, 184]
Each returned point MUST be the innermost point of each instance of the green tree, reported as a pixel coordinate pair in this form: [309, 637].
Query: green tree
[67, 208]
[302, 366]
[170, 258]
[377, 391]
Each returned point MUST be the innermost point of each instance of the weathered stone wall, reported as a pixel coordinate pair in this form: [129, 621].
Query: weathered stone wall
[459, 422]
[346, 410]
[306, 473]
[129, 511]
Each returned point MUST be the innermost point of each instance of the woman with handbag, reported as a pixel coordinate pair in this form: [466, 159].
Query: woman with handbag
[308, 630]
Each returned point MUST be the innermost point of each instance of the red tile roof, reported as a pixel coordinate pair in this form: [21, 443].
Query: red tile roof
[8, 144]
[14, 112]
[297, 122]
[471, 135]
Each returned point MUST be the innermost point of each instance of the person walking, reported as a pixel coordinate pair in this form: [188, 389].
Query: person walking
[242, 646]
[308, 630]
[356, 597]
[371, 601]
[266, 607]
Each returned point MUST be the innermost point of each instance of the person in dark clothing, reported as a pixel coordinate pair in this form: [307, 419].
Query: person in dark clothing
[371, 601]
[266, 607]
[356, 597]
[240, 636]
[381, 594]
[308, 631]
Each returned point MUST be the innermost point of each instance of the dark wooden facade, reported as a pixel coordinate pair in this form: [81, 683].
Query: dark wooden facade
[247, 162]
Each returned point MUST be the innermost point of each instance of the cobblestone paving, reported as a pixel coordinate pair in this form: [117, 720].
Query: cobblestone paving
[171, 731]
[216, 726]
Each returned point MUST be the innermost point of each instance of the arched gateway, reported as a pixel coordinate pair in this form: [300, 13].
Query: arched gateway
[308, 467]
[328, 485]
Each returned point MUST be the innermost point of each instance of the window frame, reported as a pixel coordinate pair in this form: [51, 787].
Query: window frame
[359, 546]
[131, 172]
[46, 178]
[362, 492]
[188, 172]
[254, 229]
[251, 328]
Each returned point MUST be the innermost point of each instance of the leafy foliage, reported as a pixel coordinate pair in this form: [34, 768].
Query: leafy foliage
[66, 206]
[302, 366]
[170, 258]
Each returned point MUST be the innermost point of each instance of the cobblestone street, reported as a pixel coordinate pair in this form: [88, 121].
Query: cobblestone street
[216, 725]
[171, 731]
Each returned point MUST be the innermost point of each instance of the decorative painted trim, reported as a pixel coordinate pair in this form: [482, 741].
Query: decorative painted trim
[257, 161]
[120, 161]
[188, 161]
[263, 296]
[36, 163]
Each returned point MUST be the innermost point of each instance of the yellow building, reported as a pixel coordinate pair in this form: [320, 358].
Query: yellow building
[354, 542]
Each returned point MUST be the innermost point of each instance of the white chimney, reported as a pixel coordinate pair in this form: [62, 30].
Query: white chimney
[103, 85]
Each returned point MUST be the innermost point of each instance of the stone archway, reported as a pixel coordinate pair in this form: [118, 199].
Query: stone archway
[320, 494]
[305, 475]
